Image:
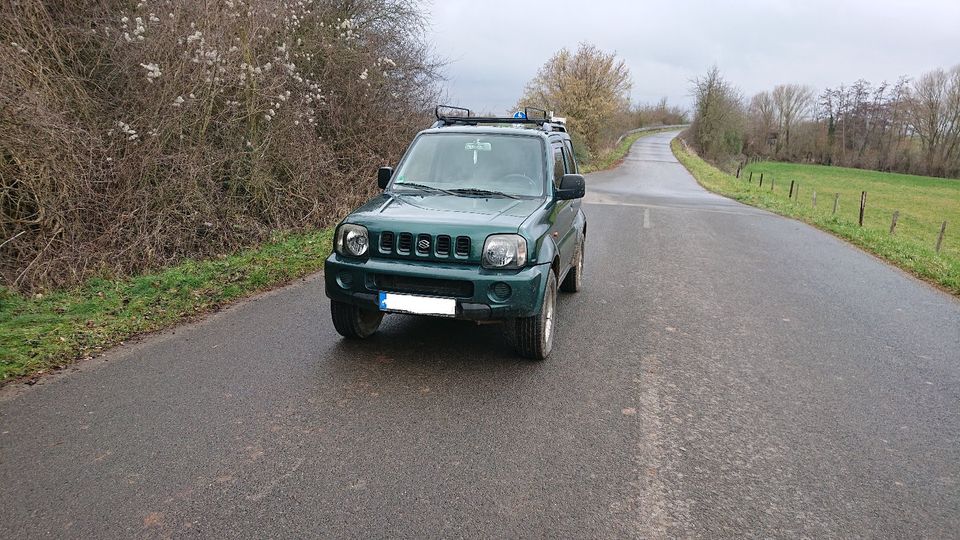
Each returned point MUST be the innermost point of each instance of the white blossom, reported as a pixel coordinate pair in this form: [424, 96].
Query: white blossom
[153, 71]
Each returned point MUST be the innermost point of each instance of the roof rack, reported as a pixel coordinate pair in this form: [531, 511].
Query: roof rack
[464, 117]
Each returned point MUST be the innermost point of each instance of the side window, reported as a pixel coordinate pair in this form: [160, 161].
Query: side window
[571, 168]
[571, 161]
[558, 165]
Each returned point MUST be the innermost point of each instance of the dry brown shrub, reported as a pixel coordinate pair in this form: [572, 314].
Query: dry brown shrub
[133, 135]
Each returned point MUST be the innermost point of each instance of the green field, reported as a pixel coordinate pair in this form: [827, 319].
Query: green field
[923, 204]
[48, 331]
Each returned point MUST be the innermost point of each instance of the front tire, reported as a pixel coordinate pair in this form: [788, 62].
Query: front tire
[534, 335]
[352, 322]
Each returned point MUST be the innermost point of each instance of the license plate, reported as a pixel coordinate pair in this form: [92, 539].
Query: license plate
[418, 305]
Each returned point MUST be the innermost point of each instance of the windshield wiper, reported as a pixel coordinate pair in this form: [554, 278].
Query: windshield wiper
[423, 187]
[478, 191]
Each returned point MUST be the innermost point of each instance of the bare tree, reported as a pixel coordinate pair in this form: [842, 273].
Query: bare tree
[718, 117]
[934, 112]
[792, 103]
[588, 86]
[763, 121]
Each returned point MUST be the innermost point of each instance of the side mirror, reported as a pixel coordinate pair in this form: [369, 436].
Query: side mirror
[572, 186]
[383, 176]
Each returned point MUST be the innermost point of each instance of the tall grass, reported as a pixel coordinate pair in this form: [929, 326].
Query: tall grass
[48, 331]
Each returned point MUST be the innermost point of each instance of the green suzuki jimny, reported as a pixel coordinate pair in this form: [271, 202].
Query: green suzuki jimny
[481, 221]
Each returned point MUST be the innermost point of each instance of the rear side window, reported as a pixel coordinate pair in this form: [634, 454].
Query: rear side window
[571, 161]
[558, 165]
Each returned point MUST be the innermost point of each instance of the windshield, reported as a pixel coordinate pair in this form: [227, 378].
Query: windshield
[481, 164]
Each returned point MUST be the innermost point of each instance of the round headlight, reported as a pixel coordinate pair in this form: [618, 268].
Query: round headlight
[352, 240]
[356, 242]
[505, 251]
[499, 252]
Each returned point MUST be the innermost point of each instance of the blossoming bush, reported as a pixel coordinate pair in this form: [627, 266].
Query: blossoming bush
[134, 134]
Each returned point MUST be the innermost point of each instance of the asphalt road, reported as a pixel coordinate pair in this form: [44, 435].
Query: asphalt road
[724, 373]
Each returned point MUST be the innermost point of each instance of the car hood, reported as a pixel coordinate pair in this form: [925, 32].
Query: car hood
[500, 213]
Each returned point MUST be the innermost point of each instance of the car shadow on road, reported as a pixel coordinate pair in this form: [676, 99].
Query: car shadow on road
[430, 341]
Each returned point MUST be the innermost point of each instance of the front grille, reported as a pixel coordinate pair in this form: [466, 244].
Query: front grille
[386, 241]
[443, 245]
[463, 246]
[405, 242]
[409, 244]
[425, 286]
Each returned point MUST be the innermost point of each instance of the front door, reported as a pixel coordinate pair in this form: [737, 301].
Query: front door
[564, 212]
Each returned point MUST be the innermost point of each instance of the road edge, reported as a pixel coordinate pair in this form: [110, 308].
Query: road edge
[927, 281]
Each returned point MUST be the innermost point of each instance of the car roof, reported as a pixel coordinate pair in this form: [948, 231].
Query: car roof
[497, 130]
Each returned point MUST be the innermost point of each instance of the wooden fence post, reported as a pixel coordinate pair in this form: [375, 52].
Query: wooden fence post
[893, 221]
[836, 200]
[751, 177]
[771, 184]
[796, 193]
[943, 228]
[790, 196]
[738, 171]
[863, 205]
[761, 179]
[814, 198]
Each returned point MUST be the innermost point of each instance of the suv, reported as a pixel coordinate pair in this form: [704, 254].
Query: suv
[481, 220]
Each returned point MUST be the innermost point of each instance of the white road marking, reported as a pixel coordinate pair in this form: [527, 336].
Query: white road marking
[748, 212]
[646, 218]
[658, 513]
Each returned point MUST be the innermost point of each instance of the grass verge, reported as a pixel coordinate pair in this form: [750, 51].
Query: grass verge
[908, 249]
[49, 331]
[612, 157]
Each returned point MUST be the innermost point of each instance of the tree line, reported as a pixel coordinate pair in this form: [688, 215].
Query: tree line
[910, 126]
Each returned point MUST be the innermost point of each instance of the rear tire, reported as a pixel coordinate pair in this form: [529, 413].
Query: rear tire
[574, 280]
[352, 322]
[534, 335]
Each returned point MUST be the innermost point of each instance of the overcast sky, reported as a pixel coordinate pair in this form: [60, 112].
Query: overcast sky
[495, 46]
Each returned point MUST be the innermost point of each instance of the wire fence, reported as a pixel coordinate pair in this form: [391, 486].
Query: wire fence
[793, 194]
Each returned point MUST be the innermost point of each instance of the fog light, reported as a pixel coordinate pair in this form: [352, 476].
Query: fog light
[345, 280]
[500, 290]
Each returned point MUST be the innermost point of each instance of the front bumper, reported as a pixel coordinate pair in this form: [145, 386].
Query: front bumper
[355, 281]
